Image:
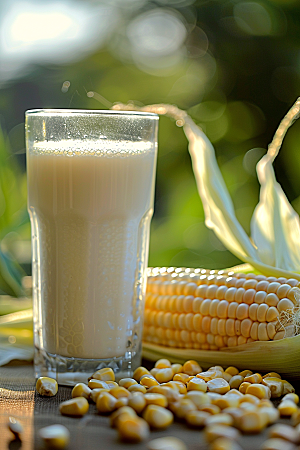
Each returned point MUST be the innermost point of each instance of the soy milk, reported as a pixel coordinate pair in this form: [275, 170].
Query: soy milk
[87, 204]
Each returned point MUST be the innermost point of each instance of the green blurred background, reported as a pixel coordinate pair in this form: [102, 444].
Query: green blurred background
[233, 65]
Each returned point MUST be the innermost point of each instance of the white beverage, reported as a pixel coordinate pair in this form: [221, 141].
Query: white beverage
[90, 207]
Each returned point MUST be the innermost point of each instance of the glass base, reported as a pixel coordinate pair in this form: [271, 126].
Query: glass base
[69, 371]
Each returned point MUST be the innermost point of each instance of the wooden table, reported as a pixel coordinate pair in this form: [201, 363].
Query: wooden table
[19, 399]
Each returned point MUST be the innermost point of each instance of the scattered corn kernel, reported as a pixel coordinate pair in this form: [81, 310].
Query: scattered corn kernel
[162, 364]
[197, 418]
[182, 407]
[285, 432]
[158, 417]
[286, 408]
[292, 396]
[236, 381]
[259, 390]
[287, 388]
[252, 422]
[137, 388]
[277, 444]
[15, 427]
[96, 392]
[271, 413]
[182, 377]
[132, 429]
[191, 367]
[232, 371]
[196, 384]
[97, 384]
[148, 381]
[126, 382]
[106, 402]
[254, 378]
[164, 375]
[275, 385]
[272, 375]
[122, 401]
[81, 390]
[224, 443]
[177, 368]
[220, 419]
[46, 386]
[55, 436]
[167, 443]
[139, 372]
[116, 415]
[137, 401]
[214, 432]
[119, 391]
[218, 385]
[295, 419]
[198, 398]
[77, 406]
[156, 399]
[105, 374]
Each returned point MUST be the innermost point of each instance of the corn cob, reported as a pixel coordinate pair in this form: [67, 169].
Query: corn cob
[211, 310]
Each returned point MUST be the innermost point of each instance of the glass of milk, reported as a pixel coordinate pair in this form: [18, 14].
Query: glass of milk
[91, 177]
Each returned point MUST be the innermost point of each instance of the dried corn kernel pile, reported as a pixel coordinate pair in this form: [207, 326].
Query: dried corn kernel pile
[225, 403]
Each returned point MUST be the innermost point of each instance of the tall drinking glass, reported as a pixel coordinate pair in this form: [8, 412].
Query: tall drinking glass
[90, 199]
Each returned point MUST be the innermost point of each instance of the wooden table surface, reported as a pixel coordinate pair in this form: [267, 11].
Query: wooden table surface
[19, 399]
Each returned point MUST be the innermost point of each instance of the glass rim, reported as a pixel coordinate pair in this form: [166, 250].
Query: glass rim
[87, 112]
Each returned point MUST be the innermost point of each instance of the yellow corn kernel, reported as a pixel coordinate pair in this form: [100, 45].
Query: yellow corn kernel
[196, 418]
[156, 399]
[162, 364]
[106, 402]
[167, 443]
[105, 374]
[295, 419]
[177, 368]
[96, 392]
[126, 382]
[214, 396]
[137, 388]
[121, 401]
[248, 398]
[191, 367]
[158, 417]
[275, 385]
[224, 443]
[292, 396]
[180, 387]
[182, 377]
[255, 378]
[114, 417]
[277, 444]
[265, 402]
[132, 429]
[272, 375]
[98, 384]
[137, 402]
[218, 385]
[171, 395]
[252, 421]
[246, 373]
[271, 413]
[209, 374]
[236, 381]
[196, 384]
[182, 407]
[198, 398]
[77, 406]
[243, 387]
[15, 427]
[227, 402]
[139, 372]
[259, 390]
[285, 432]
[287, 408]
[56, 437]
[119, 391]
[287, 388]
[81, 390]
[46, 386]
[148, 381]
[211, 409]
[232, 371]
[220, 419]
[216, 431]
[164, 375]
